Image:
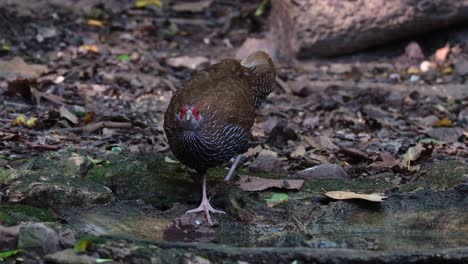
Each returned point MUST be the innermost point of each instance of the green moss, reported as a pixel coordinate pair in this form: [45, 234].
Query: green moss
[5, 176]
[355, 185]
[11, 214]
[443, 175]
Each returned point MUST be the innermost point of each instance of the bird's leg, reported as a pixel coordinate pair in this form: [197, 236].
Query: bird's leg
[205, 205]
[233, 168]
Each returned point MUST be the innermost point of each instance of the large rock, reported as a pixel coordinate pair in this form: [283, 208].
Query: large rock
[307, 28]
[38, 238]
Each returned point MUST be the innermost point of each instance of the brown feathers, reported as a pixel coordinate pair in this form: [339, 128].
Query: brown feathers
[208, 120]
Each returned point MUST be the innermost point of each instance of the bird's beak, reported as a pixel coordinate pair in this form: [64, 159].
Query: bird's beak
[188, 115]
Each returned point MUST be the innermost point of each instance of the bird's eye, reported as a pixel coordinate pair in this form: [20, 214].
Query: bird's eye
[195, 113]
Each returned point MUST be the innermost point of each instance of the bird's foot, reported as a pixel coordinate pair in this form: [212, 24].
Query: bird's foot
[206, 207]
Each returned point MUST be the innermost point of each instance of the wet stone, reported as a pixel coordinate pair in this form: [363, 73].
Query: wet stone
[69, 256]
[38, 238]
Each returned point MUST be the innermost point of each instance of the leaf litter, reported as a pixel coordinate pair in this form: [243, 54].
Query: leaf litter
[112, 83]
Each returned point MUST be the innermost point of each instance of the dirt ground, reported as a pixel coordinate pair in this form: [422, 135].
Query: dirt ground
[83, 90]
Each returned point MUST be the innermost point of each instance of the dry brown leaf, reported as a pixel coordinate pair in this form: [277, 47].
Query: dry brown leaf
[412, 154]
[253, 151]
[17, 68]
[388, 161]
[68, 115]
[299, 152]
[95, 23]
[89, 48]
[326, 143]
[442, 54]
[19, 120]
[194, 7]
[444, 122]
[186, 61]
[344, 195]
[252, 183]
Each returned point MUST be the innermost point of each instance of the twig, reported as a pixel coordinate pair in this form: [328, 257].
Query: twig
[5, 18]
[99, 125]
[283, 85]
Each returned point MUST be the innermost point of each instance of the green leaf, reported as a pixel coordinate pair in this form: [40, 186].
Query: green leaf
[100, 260]
[5, 47]
[429, 140]
[294, 262]
[9, 253]
[169, 160]
[116, 149]
[95, 161]
[262, 8]
[82, 246]
[145, 3]
[123, 57]
[276, 199]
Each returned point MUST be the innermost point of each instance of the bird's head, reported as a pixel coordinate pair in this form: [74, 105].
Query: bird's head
[189, 116]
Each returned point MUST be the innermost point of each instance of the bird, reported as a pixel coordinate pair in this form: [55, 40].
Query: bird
[208, 120]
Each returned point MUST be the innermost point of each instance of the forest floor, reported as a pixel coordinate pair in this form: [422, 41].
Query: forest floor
[83, 90]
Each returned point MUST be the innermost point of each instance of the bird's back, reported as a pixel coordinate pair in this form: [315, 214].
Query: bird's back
[222, 91]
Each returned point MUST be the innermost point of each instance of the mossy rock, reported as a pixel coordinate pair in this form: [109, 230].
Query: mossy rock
[12, 214]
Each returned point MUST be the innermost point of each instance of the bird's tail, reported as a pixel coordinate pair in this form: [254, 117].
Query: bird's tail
[262, 75]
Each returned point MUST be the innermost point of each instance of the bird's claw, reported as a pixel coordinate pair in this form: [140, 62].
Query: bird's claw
[206, 207]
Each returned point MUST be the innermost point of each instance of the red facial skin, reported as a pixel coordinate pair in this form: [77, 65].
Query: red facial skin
[195, 113]
[183, 112]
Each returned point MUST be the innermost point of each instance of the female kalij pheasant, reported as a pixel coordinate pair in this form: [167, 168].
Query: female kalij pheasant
[208, 120]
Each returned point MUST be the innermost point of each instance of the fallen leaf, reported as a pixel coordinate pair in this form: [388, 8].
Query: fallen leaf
[95, 23]
[444, 122]
[413, 71]
[326, 143]
[447, 70]
[6, 136]
[344, 195]
[187, 62]
[103, 260]
[89, 117]
[19, 120]
[82, 246]
[18, 68]
[442, 54]
[169, 160]
[277, 199]
[9, 253]
[253, 151]
[262, 8]
[266, 161]
[324, 171]
[31, 122]
[5, 47]
[123, 57]
[446, 134]
[412, 154]
[300, 151]
[145, 3]
[68, 115]
[194, 7]
[387, 161]
[89, 48]
[252, 183]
